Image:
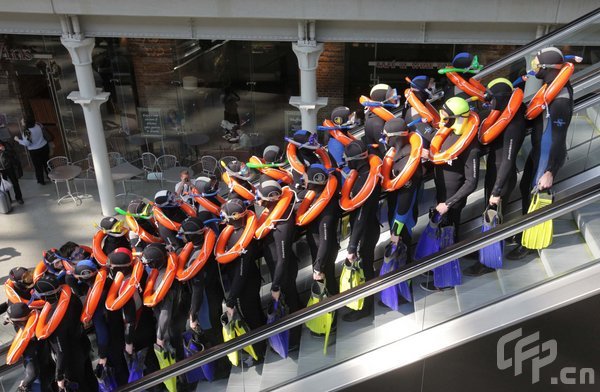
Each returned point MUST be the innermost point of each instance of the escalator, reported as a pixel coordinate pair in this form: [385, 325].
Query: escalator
[566, 272]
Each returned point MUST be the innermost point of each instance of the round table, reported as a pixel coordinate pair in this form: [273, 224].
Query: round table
[66, 173]
[173, 174]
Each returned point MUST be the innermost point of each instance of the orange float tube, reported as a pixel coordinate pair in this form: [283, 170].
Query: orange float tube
[292, 156]
[47, 323]
[183, 273]
[121, 290]
[39, 271]
[93, 296]
[310, 208]
[496, 122]
[225, 256]
[14, 297]
[97, 251]
[349, 203]
[154, 295]
[381, 112]
[22, 339]
[390, 184]
[236, 187]
[139, 230]
[472, 88]
[267, 223]
[439, 157]
[425, 110]
[337, 134]
[547, 93]
[276, 173]
[209, 205]
[161, 218]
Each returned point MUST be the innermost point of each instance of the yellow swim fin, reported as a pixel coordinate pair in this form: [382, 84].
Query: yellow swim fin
[166, 359]
[320, 325]
[228, 334]
[241, 328]
[539, 236]
[352, 276]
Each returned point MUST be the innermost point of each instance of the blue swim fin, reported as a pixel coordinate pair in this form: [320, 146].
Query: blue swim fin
[491, 256]
[190, 347]
[280, 343]
[389, 296]
[429, 241]
[135, 364]
[449, 274]
[107, 381]
[401, 259]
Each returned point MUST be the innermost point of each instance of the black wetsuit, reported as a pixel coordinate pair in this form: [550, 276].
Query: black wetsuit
[321, 235]
[548, 139]
[454, 183]
[283, 262]
[501, 170]
[169, 321]
[403, 205]
[373, 128]
[244, 280]
[364, 227]
[71, 348]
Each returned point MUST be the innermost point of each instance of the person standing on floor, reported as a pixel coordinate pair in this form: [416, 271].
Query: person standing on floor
[8, 168]
[37, 145]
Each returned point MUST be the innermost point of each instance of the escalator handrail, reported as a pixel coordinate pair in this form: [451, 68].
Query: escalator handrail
[372, 287]
[541, 42]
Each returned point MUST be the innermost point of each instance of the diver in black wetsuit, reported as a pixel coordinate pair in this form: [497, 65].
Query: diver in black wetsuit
[244, 277]
[321, 233]
[403, 206]
[455, 182]
[373, 123]
[132, 326]
[140, 208]
[111, 355]
[307, 143]
[501, 171]
[165, 200]
[364, 223]
[37, 362]
[548, 139]
[68, 342]
[277, 249]
[206, 280]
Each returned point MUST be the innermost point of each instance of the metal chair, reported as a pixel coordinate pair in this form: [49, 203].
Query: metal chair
[54, 163]
[165, 162]
[114, 158]
[209, 165]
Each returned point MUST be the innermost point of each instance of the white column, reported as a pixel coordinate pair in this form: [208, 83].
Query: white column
[307, 51]
[90, 98]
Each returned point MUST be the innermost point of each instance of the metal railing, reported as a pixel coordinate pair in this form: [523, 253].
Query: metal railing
[550, 38]
[374, 286]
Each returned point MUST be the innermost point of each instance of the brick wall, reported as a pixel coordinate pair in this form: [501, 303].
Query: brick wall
[153, 61]
[331, 77]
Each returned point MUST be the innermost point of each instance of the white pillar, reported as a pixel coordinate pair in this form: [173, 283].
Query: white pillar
[90, 98]
[308, 52]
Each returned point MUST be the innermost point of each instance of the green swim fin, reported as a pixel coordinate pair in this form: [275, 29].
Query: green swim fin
[242, 328]
[320, 325]
[166, 359]
[228, 334]
[539, 236]
[352, 276]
